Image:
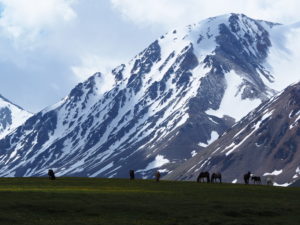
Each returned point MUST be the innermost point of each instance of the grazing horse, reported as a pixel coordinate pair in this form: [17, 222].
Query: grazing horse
[131, 174]
[247, 177]
[256, 179]
[157, 176]
[202, 176]
[51, 175]
[216, 176]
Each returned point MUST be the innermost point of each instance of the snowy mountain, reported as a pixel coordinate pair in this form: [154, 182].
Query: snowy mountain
[11, 116]
[165, 105]
[265, 142]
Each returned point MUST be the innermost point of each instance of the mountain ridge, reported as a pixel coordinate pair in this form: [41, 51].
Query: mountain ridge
[11, 116]
[154, 112]
[264, 142]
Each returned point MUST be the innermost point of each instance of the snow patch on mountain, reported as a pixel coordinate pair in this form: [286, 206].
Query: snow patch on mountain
[282, 185]
[274, 173]
[213, 136]
[159, 161]
[233, 104]
[297, 173]
[234, 181]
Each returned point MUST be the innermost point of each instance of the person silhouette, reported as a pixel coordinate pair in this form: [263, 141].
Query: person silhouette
[131, 174]
[51, 175]
[247, 177]
[157, 176]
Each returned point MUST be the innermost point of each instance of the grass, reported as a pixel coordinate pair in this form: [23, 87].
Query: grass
[74, 201]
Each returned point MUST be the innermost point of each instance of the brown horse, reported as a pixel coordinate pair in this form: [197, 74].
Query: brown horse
[202, 176]
[247, 177]
[216, 176]
[256, 180]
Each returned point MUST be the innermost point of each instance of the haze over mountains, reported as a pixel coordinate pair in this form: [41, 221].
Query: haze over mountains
[164, 106]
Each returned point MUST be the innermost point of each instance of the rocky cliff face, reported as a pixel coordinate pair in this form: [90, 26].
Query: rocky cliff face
[165, 105]
[265, 142]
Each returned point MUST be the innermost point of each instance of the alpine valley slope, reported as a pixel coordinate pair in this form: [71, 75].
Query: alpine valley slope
[11, 116]
[165, 105]
[266, 142]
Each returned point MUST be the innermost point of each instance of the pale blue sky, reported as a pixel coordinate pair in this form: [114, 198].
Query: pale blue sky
[48, 46]
[38, 72]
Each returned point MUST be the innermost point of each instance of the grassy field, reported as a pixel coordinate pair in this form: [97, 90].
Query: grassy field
[72, 201]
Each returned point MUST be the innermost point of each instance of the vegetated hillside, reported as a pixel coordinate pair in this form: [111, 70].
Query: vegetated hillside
[11, 116]
[165, 105]
[95, 201]
[265, 142]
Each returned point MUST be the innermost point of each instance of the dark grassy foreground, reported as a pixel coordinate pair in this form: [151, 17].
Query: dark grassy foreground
[71, 201]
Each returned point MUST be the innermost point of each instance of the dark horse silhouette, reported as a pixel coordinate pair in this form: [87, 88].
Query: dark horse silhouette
[202, 176]
[256, 179]
[131, 174]
[215, 177]
[247, 177]
[51, 175]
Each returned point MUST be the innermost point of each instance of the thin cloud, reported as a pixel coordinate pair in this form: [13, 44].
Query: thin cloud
[25, 20]
[91, 64]
[170, 13]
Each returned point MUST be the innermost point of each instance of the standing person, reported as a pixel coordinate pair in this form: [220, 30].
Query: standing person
[157, 176]
[51, 174]
[247, 177]
[131, 174]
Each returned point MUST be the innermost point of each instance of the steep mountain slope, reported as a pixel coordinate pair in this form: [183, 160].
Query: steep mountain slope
[265, 142]
[11, 116]
[162, 107]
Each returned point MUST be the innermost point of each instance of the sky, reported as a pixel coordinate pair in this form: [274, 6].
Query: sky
[48, 46]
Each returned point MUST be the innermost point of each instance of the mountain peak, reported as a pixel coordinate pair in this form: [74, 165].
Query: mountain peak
[11, 116]
[170, 101]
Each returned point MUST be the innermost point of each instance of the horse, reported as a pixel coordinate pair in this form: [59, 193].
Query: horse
[157, 176]
[51, 175]
[216, 176]
[131, 174]
[202, 176]
[269, 181]
[247, 177]
[256, 179]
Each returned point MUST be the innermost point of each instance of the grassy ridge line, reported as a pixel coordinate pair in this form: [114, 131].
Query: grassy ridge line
[94, 201]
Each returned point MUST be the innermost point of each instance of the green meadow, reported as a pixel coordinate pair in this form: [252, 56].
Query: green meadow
[94, 201]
